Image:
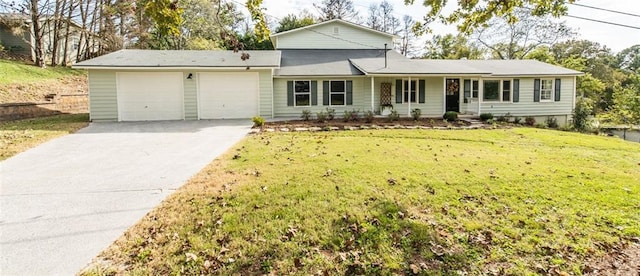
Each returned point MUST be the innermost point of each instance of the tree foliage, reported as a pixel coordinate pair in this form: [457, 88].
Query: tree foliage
[469, 15]
[506, 39]
[292, 21]
[451, 46]
[629, 59]
[257, 16]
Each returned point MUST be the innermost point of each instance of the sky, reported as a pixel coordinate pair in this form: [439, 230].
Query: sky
[614, 37]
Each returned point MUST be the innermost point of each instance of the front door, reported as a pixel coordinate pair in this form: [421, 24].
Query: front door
[452, 93]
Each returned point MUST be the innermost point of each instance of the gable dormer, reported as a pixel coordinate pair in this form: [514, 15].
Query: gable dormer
[332, 34]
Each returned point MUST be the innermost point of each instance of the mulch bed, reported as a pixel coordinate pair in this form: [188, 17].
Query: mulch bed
[376, 123]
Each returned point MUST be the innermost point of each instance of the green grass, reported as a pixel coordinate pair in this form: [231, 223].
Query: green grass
[512, 201]
[20, 135]
[19, 72]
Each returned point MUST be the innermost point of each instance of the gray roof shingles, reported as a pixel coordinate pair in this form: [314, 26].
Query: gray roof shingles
[462, 67]
[182, 58]
[322, 62]
[301, 62]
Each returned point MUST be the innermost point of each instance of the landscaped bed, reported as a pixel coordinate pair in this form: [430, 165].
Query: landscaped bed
[373, 123]
[504, 201]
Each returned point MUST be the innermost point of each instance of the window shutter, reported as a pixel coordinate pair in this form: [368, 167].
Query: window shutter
[349, 92]
[325, 92]
[516, 90]
[557, 90]
[421, 88]
[314, 92]
[467, 90]
[289, 93]
[398, 91]
[536, 90]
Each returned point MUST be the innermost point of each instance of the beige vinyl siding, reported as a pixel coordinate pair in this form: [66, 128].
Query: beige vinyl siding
[323, 37]
[434, 98]
[103, 103]
[527, 107]
[433, 105]
[190, 96]
[266, 94]
[361, 99]
[103, 96]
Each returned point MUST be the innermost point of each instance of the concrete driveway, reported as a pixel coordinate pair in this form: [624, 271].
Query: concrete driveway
[64, 201]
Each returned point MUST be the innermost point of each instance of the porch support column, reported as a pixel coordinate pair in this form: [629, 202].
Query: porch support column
[373, 104]
[409, 99]
[480, 94]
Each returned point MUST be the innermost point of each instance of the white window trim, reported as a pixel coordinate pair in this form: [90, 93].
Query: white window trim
[552, 91]
[295, 101]
[471, 88]
[500, 91]
[337, 93]
[477, 94]
[415, 88]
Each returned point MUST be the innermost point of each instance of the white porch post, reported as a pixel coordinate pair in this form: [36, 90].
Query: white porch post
[409, 98]
[480, 95]
[373, 104]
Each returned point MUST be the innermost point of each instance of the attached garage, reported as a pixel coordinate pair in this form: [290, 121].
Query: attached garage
[228, 95]
[149, 85]
[150, 96]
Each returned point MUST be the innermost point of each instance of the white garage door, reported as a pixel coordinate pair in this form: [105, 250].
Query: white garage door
[227, 95]
[149, 96]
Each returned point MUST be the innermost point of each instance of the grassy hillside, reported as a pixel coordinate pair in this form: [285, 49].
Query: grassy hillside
[514, 201]
[20, 82]
[19, 72]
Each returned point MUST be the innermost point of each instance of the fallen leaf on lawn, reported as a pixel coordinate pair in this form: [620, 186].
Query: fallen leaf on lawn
[191, 257]
[414, 268]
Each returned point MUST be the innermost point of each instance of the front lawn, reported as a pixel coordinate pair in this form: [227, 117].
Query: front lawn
[20, 135]
[508, 201]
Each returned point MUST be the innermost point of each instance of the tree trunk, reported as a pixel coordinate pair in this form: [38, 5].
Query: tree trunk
[37, 34]
[65, 58]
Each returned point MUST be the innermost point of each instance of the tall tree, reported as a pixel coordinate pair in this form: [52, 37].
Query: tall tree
[406, 44]
[204, 20]
[514, 40]
[337, 9]
[381, 18]
[292, 21]
[451, 46]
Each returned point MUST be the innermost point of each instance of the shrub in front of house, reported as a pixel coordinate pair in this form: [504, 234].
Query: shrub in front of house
[321, 117]
[450, 116]
[486, 117]
[504, 118]
[551, 122]
[517, 120]
[258, 121]
[581, 113]
[351, 115]
[530, 121]
[368, 116]
[416, 113]
[393, 116]
[306, 115]
[331, 113]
